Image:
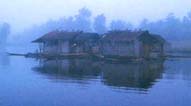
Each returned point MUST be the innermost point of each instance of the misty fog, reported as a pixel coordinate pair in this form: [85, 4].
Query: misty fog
[174, 27]
[177, 31]
[95, 52]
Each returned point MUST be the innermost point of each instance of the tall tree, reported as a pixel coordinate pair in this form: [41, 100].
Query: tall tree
[100, 24]
[144, 24]
[118, 25]
[83, 21]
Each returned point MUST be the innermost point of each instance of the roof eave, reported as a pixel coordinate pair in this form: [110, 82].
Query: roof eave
[37, 41]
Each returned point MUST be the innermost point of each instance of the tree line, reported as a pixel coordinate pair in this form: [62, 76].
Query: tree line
[171, 27]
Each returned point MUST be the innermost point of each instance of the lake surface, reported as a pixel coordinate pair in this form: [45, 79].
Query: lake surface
[86, 82]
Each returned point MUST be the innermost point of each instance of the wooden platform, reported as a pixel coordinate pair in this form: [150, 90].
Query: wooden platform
[86, 55]
[51, 56]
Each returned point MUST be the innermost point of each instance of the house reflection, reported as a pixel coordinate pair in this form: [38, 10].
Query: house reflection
[132, 75]
[121, 75]
[74, 69]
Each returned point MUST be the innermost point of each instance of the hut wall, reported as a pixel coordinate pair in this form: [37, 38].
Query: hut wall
[146, 51]
[64, 47]
[119, 49]
[51, 49]
[55, 48]
[157, 51]
[137, 48]
[94, 47]
[79, 49]
[87, 47]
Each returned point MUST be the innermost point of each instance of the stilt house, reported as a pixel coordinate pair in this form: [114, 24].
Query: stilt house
[138, 44]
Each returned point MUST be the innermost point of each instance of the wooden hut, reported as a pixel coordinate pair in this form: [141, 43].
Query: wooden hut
[60, 42]
[57, 42]
[137, 44]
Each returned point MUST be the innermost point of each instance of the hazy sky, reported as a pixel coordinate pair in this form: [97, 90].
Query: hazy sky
[24, 13]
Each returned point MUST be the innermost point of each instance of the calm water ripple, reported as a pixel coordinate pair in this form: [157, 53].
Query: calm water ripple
[83, 82]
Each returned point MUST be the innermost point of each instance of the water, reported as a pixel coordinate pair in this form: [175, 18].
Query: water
[82, 82]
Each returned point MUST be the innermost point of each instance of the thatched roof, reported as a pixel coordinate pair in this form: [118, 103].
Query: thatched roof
[87, 36]
[127, 36]
[57, 35]
[151, 39]
[122, 35]
[119, 36]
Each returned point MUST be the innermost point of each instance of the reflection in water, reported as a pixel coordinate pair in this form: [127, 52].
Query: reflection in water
[132, 75]
[120, 75]
[62, 82]
[69, 69]
[178, 69]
